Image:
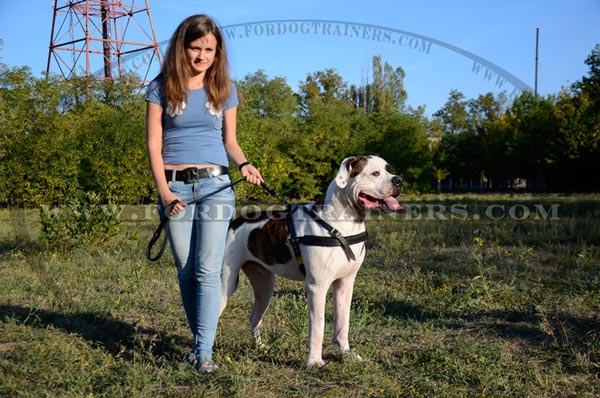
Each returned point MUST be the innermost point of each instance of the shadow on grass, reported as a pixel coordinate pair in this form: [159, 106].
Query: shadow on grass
[115, 336]
[529, 326]
[17, 244]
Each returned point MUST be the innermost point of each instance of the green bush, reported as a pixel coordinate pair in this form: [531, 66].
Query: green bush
[82, 221]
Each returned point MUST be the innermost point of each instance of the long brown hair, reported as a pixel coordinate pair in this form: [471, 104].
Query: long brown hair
[176, 70]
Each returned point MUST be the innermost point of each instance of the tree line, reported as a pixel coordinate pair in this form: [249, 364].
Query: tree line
[59, 138]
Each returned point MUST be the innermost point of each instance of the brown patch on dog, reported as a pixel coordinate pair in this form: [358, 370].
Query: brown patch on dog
[268, 243]
[356, 165]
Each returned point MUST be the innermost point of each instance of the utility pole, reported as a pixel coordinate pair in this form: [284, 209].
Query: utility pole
[537, 45]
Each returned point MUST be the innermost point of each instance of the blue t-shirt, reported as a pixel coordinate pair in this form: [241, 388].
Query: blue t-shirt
[192, 135]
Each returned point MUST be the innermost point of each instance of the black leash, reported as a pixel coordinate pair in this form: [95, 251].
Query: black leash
[336, 239]
[164, 223]
[164, 220]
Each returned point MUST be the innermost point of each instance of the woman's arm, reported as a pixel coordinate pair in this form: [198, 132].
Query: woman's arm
[233, 149]
[154, 137]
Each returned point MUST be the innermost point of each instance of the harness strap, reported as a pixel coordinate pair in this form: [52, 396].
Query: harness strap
[293, 237]
[336, 239]
[326, 241]
[337, 235]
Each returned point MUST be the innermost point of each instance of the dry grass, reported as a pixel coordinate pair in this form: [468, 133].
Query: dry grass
[455, 308]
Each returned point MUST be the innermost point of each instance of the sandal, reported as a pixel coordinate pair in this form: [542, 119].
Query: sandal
[205, 365]
[192, 358]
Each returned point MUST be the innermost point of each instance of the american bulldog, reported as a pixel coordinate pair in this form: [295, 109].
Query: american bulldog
[320, 244]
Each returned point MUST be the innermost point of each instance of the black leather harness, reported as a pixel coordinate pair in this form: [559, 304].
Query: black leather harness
[335, 239]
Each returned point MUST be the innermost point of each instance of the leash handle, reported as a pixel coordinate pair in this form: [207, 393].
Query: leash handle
[169, 208]
[164, 224]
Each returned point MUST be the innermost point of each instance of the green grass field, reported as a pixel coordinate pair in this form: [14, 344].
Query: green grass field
[460, 296]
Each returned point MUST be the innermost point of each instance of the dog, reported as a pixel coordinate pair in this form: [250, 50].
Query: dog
[320, 244]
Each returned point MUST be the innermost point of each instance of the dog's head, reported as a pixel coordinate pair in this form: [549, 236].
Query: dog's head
[371, 182]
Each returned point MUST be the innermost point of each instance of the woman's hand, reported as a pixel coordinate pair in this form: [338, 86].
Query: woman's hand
[251, 174]
[169, 198]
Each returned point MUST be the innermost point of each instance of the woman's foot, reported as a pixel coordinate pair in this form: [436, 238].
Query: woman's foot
[205, 365]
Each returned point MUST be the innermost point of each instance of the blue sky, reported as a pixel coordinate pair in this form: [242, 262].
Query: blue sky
[428, 39]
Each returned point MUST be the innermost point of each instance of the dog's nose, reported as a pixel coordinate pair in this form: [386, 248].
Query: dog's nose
[397, 181]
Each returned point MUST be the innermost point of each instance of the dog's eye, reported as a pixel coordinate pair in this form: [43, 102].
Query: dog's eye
[376, 174]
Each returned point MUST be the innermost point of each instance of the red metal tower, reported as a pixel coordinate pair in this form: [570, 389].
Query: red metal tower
[103, 39]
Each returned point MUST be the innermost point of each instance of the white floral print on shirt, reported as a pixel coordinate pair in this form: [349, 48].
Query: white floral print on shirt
[178, 110]
[212, 110]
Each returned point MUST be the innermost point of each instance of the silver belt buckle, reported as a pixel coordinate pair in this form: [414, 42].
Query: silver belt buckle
[191, 175]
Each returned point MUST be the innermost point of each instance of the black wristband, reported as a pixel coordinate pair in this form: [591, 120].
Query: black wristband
[242, 165]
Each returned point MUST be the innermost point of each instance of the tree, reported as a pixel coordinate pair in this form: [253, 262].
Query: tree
[112, 143]
[328, 128]
[575, 154]
[533, 129]
[388, 87]
[405, 145]
[322, 86]
[484, 113]
[453, 115]
[385, 94]
[459, 152]
[579, 118]
[266, 118]
[590, 85]
[38, 162]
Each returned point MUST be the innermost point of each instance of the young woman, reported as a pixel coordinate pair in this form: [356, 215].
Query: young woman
[191, 138]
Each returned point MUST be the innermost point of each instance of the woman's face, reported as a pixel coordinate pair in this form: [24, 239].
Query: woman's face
[201, 53]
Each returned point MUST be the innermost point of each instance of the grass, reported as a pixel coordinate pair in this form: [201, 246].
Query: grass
[453, 303]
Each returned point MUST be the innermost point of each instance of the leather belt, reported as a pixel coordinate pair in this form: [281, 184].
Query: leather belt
[193, 174]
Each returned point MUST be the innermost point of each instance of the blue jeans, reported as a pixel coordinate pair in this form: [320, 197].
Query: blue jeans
[197, 237]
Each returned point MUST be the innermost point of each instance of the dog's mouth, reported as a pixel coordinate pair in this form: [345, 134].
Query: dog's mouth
[386, 204]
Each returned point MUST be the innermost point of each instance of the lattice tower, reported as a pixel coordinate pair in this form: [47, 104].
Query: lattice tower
[103, 39]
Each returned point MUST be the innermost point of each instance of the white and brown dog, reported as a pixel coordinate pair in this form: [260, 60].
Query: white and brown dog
[262, 245]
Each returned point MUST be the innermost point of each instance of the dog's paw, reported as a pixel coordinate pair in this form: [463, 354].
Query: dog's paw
[314, 364]
[351, 356]
[263, 347]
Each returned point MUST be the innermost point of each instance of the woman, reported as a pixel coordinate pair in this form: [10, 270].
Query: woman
[191, 137]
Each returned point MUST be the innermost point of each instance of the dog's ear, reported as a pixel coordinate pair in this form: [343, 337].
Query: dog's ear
[350, 167]
[341, 179]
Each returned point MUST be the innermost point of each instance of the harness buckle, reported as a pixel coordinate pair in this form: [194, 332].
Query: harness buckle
[336, 233]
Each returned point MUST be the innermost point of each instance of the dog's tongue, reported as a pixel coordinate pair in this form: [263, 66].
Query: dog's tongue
[393, 204]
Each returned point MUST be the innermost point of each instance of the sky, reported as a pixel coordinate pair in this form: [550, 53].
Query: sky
[473, 46]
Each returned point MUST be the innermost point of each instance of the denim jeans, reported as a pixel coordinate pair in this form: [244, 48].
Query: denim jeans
[197, 239]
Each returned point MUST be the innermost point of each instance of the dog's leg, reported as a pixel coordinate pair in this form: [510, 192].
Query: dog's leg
[316, 295]
[342, 300]
[263, 284]
[230, 277]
